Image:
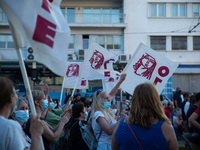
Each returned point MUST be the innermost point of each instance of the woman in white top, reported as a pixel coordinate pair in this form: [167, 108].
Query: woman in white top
[102, 120]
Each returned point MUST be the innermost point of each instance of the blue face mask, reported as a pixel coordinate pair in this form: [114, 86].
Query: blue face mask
[130, 98]
[21, 116]
[107, 105]
[45, 104]
[52, 105]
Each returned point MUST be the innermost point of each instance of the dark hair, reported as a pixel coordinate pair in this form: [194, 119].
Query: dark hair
[77, 109]
[197, 97]
[87, 104]
[6, 90]
[185, 95]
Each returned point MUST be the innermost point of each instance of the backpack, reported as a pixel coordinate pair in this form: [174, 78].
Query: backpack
[88, 136]
[65, 141]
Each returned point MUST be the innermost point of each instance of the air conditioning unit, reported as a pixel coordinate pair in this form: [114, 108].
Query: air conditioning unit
[30, 55]
[71, 57]
[124, 58]
[81, 54]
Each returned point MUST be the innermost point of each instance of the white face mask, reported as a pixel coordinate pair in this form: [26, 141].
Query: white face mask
[52, 105]
[114, 111]
[21, 116]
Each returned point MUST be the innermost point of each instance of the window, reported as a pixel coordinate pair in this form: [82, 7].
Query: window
[2, 41]
[63, 11]
[108, 42]
[158, 42]
[157, 10]
[196, 43]
[85, 41]
[98, 15]
[3, 17]
[196, 10]
[178, 10]
[71, 42]
[70, 15]
[6, 42]
[179, 43]
[115, 16]
[87, 15]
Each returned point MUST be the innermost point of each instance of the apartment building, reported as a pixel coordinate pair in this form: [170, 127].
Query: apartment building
[171, 27]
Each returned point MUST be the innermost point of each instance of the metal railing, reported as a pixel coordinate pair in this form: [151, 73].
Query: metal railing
[88, 18]
[93, 18]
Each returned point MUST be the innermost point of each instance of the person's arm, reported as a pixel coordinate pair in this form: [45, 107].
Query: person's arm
[193, 120]
[36, 129]
[176, 104]
[170, 136]
[116, 87]
[54, 134]
[114, 142]
[105, 126]
[171, 104]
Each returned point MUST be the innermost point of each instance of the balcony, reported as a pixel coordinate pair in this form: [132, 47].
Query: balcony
[95, 20]
[86, 19]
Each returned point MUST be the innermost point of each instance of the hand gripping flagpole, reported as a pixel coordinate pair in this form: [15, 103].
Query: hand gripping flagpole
[24, 74]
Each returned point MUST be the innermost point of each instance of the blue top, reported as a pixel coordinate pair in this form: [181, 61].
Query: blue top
[150, 139]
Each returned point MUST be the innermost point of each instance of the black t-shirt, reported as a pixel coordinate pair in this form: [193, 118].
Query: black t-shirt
[177, 97]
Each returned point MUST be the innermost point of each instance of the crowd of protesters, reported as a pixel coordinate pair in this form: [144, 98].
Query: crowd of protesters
[142, 115]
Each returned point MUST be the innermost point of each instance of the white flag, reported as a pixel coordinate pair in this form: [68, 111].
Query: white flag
[72, 74]
[96, 64]
[147, 65]
[109, 82]
[41, 25]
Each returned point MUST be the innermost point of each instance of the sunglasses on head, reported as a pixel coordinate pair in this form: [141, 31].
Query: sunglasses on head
[99, 91]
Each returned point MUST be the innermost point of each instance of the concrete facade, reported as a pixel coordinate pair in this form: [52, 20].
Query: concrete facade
[123, 24]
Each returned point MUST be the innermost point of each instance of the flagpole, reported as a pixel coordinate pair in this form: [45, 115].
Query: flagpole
[24, 75]
[62, 90]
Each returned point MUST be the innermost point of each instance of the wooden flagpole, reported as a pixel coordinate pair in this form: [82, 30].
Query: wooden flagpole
[24, 74]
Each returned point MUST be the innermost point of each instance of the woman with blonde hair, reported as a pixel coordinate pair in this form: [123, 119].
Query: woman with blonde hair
[147, 127]
[102, 120]
[50, 135]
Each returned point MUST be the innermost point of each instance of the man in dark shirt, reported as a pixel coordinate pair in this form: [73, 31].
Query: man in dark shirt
[178, 100]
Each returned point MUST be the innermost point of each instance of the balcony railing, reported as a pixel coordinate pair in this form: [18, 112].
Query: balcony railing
[88, 18]
[94, 18]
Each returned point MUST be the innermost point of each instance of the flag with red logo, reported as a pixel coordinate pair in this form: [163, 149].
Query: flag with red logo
[109, 82]
[96, 64]
[147, 65]
[72, 75]
[41, 25]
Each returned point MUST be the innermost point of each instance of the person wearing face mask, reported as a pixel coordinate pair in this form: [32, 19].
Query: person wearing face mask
[21, 113]
[50, 135]
[12, 137]
[53, 116]
[78, 114]
[102, 120]
[177, 100]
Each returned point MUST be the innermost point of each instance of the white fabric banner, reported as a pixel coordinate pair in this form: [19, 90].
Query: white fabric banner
[96, 64]
[72, 74]
[109, 82]
[147, 65]
[41, 25]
